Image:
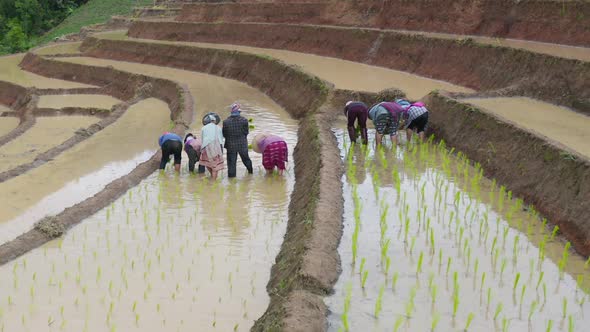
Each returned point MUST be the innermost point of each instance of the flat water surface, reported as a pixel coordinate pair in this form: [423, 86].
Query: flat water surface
[547, 120]
[429, 244]
[81, 100]
[7, 125]
[11, 72]
[66, 180]
[44, 135]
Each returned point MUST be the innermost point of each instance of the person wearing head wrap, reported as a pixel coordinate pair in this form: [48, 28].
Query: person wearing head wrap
[416, 115]
[212, 147]
[171, 144]
[357, 111]
[275, 152]
[235, 131]
[192, 147]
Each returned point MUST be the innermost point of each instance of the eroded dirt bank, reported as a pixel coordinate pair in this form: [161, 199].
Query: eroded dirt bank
[554, 180]
[548, 21]
[466, 63]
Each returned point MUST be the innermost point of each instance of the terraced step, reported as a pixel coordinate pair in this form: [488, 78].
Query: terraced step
[478, 66]
[551, 21]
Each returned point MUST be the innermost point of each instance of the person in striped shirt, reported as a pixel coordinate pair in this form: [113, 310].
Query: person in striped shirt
[386, 117]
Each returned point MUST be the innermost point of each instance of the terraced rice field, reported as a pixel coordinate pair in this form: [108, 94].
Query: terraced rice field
[467, 231]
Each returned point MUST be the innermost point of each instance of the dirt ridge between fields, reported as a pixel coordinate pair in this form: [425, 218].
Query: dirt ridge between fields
[478, 66]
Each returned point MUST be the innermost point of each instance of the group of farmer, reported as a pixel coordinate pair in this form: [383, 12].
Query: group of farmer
[387, 117]
[233, 135]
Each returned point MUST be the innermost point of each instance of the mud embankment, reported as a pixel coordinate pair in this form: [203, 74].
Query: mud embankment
[564, 22]
[546, 175]
[467, 63]
[22, 100]
[124, 86]
[264, 73]
[308, 263]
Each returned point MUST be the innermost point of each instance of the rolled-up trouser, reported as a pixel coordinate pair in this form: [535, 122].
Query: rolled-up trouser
[193, 157]
[169, 148]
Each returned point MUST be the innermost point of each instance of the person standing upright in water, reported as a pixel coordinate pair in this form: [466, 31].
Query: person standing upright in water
[235, 131]
[357, 111]
[171, 144]
[211, 146]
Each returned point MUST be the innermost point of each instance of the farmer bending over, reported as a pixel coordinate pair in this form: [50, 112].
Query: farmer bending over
[386, 116]
[417, 118]
[357, 111]
[171, 144]
[192, 147]
[275, 152]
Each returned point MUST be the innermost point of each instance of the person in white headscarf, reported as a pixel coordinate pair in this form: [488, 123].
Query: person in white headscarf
[212, 147]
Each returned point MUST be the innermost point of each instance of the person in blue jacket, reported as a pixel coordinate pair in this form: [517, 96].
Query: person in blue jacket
[171, 144]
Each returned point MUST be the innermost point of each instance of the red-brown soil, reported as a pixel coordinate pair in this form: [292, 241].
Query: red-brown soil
[541, 20]
[478, 66]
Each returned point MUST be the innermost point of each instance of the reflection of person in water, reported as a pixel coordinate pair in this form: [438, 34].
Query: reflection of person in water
[359, 157]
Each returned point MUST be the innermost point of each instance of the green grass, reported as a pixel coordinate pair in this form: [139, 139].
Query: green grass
[93, 12]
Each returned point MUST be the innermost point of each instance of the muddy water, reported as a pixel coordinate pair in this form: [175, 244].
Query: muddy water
[61, 48]
[44, 135]
[189, 252]
[11, 72]
[5, 109]
[65, 180]
[7, 125]
[344, 74]
[82, 100]
[553, 122]
[462, 228]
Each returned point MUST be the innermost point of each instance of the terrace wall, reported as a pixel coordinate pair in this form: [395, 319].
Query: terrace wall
[542, 20]
[463, 62]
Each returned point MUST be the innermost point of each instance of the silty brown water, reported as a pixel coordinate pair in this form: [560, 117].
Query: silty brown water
[192, 253]
[344, 74]
[556, 123]
[64, 181]
[10, 72]
[442, 246]
[44, 135]
[81, 100]
[8, 124]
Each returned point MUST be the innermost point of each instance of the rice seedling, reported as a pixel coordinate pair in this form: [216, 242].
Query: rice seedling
[498, 310]
[564, 307]
[364, 279]
[504, 324]
[549, 326]
[398, 323]
[470, 317]
[435, 320]
[554, 232]
[516, 279]
[394, 280]
[419, 267]
[378, 303]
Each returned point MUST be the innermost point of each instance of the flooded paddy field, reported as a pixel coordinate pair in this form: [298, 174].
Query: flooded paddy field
[83, 170]
[11, 72]
[7, 125]
[429, 244]
[556, 123]
[175, 252]
[44, 135]
[79, 100]
[344, 74]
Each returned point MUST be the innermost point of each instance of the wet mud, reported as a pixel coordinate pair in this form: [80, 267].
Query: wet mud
[7, 124]
[467, 63]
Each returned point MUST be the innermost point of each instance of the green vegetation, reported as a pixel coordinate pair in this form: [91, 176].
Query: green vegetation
[27, 23]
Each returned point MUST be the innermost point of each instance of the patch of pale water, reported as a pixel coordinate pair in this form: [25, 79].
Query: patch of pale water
[60, 48]
[431, 245]
[556, 123]
[5, 109]
[7, 125]
[108, 154]
[11, 72]
[344, 74]
[81, 100]
[176, 253]
[44, 135]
